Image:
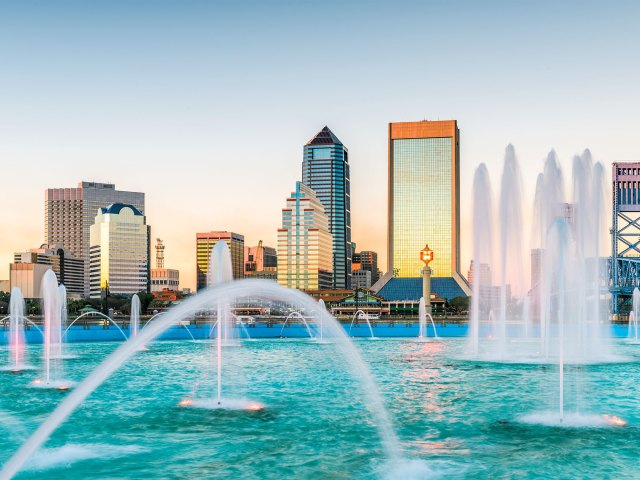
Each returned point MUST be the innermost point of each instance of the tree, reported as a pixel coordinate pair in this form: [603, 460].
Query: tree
[459, 304]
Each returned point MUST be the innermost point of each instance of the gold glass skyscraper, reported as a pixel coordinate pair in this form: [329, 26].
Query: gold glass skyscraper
[424, 198]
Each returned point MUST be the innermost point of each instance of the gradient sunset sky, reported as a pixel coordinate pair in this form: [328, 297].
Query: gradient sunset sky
[205, 105]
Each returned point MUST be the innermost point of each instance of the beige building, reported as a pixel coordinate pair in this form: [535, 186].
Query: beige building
[28, 278]
[119, 252]
[305, 252]
[69, 214]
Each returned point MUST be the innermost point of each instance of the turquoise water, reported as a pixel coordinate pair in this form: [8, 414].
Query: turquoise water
[460, 418]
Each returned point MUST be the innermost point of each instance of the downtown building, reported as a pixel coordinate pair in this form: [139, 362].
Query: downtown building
[204, 244]
[70, 213]
[424, 208]
[28, 269]
[305, 259]
[261, 262]
[365, 261]
[325, 169]
[163, 279]
[120, 251]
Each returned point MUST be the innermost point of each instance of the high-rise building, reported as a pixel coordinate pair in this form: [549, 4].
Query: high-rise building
[305, 259]
[70, 213]
[205, 243]
[424, 208]
[163, 279]
[68, 269]
[367, 260]
[120, 251]
[261, 262]
[325, 169]
[424, 197]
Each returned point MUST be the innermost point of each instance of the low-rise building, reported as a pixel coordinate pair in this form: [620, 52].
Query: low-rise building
[261, 262]
[69, 270]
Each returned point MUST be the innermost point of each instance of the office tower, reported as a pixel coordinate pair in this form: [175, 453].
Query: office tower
[260, 262]
[367, 260]
[161, 278]
[119, 251]
[305, 259]
[325, 169]
[69, 270]
[205, 243]
[424, 198]
[70, 213]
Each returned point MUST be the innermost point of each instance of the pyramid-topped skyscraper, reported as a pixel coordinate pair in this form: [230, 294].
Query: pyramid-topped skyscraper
[325, 169]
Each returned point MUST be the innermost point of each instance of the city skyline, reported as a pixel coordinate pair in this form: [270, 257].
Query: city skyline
[163, 118]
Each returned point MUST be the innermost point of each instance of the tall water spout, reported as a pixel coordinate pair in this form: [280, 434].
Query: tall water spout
[52, 311]
[220, 272]
[511, 272]
[134, 321]
[482, 252]
[529, 333]
[16, 329]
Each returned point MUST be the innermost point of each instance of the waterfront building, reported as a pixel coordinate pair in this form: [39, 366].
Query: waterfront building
[305, 259]
[204, 244]
[367, 260]
[261, 262]
[69, 269]
[325, 169]
[120, 251]
[163, 279]
[70, 213]
[424, 207]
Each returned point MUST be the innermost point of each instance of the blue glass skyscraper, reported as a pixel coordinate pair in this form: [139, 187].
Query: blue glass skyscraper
[325, 169]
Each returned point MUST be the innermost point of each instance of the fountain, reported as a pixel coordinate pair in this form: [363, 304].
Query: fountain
[365, 316]
[525, 325]
[221, 273]
[561, 317]
[299, 316]
[134, 321]
[54, 308]
[223, 294]
[422, 318]
[322, 306]
[633, 317]
[16, 331]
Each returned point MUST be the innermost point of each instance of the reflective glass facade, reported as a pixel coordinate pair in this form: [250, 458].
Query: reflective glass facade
[424, 198]
[205, 243]
[325, 168]
[305, 259]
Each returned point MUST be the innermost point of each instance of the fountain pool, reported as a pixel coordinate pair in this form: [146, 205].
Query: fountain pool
[462, 419]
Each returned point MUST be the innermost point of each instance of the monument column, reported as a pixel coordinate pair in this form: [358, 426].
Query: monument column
[426, 255]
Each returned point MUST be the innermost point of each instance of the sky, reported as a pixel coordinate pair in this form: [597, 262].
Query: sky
[205, 105]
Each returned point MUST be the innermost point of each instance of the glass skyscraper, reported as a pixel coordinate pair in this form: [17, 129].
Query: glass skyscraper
[424, 198]
[204, 244]
[325, 168]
